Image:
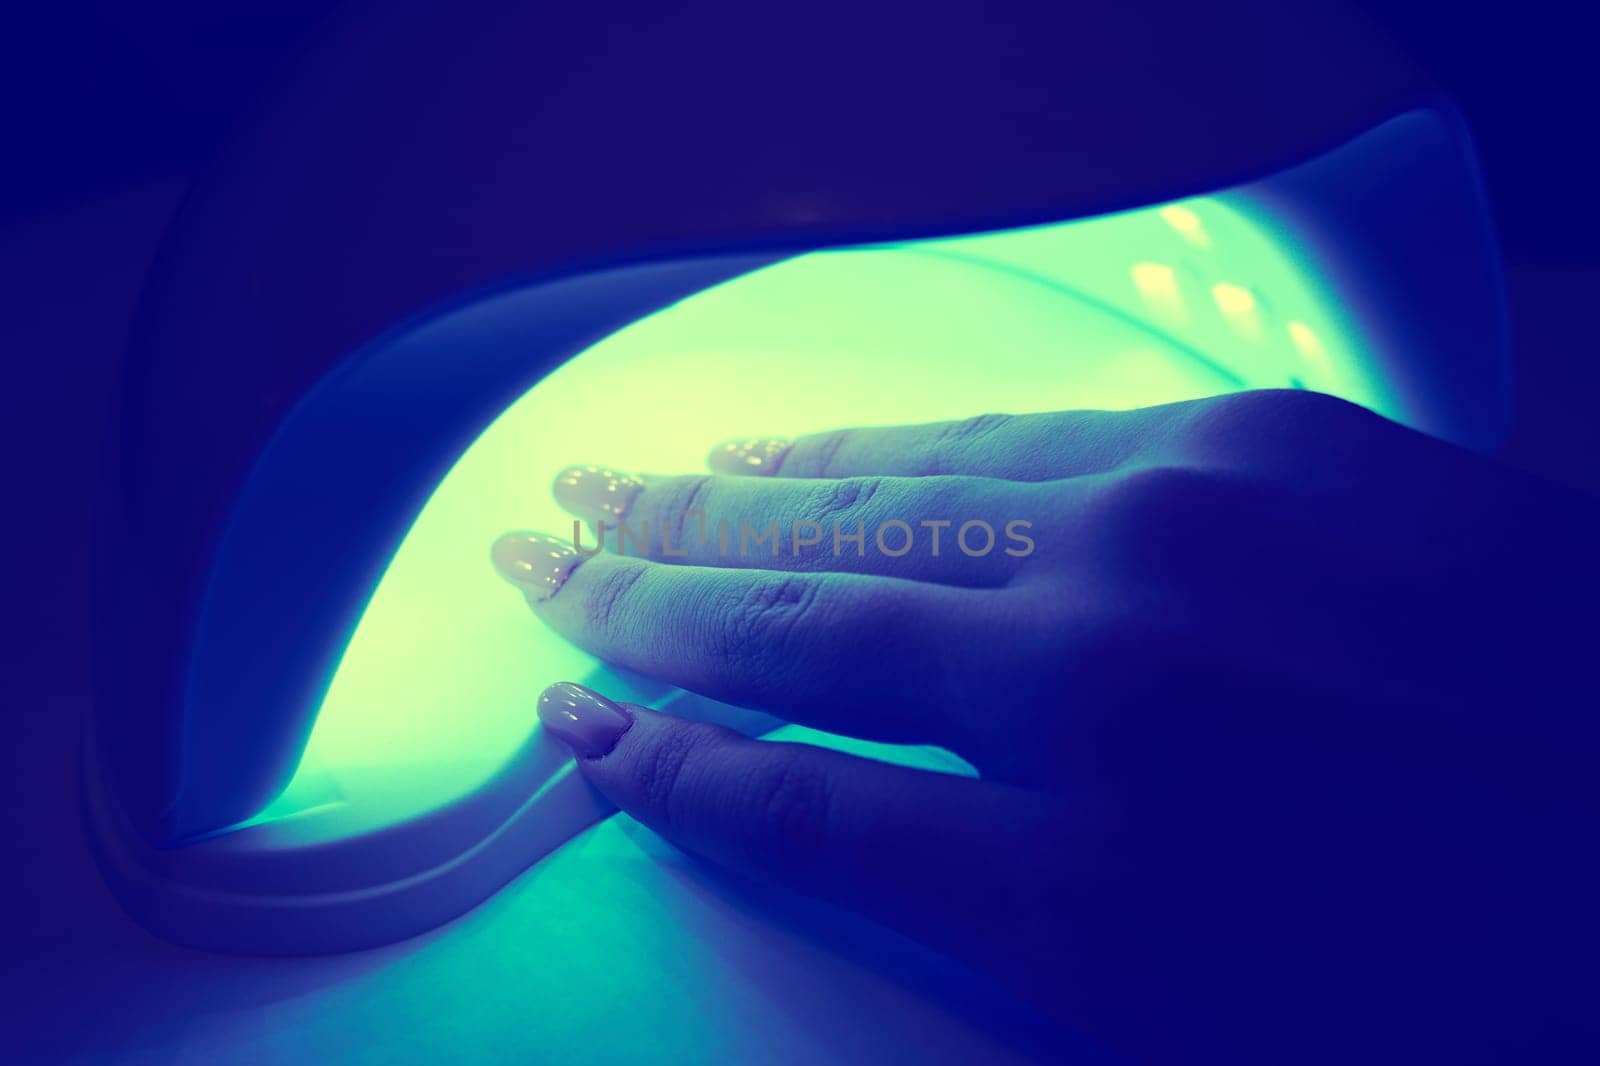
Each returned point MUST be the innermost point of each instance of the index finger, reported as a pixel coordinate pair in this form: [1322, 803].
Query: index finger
[814, 648]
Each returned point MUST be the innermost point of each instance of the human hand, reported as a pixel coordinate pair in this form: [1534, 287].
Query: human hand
[1279, 711]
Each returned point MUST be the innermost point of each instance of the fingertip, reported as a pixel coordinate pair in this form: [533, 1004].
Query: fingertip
[596, 493]
[583, 719]
[748, 456]
[536, 563]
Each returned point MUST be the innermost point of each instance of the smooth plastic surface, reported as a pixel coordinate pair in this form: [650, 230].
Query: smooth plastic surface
[423, 156]
[424, 785]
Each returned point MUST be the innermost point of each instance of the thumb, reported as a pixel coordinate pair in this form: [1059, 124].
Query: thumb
[931, 854]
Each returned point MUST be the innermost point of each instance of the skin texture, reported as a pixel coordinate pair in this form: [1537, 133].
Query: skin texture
[1285, 727]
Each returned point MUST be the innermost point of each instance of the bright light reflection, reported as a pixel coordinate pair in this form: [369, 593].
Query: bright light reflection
[436, 687]
[1187, 223]
[1310, 347]
[1238, 307]
[1158, 286]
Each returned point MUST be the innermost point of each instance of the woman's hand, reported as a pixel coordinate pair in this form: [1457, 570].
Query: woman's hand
[1285, 735]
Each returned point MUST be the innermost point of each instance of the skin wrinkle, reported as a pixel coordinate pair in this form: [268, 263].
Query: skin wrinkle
[693, 497]
[602, 605]
[1276, 733]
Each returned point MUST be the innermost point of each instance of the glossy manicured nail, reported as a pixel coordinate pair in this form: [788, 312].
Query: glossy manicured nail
[749, 455]
[583, 719]
[536, 563]
[596, 493]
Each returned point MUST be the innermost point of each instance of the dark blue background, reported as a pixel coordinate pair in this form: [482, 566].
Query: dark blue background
[97, 97]
[106, 110]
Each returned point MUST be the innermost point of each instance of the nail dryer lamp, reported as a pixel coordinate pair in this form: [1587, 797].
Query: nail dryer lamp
[459, 248]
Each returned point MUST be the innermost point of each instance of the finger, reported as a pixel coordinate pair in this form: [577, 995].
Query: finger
[1029, 447]
[953, 530]
[939, 856]
[810, 648]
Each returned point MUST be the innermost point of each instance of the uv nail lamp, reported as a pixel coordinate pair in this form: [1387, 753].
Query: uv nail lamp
[459, 248]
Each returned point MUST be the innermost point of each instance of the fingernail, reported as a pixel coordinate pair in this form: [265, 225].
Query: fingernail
[536, 563]
[583, 719]
[749, 455]
[596, 493]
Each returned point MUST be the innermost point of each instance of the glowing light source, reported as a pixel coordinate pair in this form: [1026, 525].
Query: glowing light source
[1232, 299]
[1186, 223]
[435, 689]
[1239, 309]
[1310, 347]
[1158, 286]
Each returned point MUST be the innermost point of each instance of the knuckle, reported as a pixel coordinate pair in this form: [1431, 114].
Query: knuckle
[960, 437]
[1157, 494]
[660, 777]
[1290, 418]
[813, 456]
[837, 501]
[1319, 418]
[1176, 526]
[606, 608]
[682, 509]
[1152, 519]
[759, 633]
[974, 428]
[791, 799]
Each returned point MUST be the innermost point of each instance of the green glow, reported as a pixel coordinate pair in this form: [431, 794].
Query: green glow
[436, 688]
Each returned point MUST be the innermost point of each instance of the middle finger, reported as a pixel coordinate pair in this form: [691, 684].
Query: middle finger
[967, 531]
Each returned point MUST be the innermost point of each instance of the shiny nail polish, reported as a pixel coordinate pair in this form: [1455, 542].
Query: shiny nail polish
[748, 455]
[596, 493]
[536, 563]
[583, 719]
